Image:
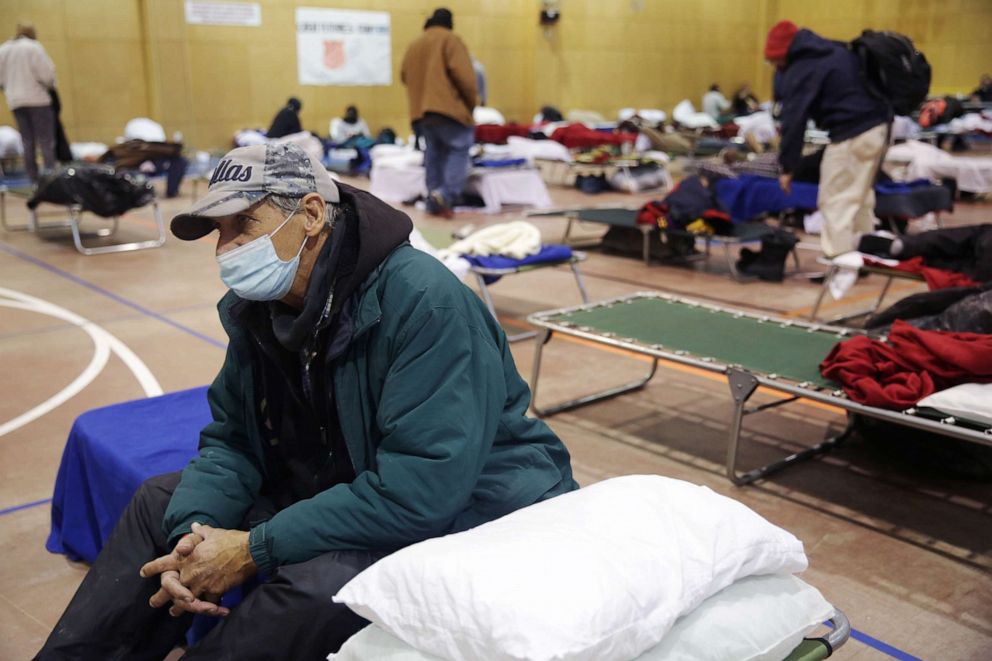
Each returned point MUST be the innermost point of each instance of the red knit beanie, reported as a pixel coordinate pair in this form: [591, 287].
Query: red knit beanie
[779, 39]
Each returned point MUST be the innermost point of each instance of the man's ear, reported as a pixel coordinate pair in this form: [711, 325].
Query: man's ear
[315, 210]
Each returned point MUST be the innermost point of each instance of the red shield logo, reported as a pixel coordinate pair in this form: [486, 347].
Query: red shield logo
[334, 54]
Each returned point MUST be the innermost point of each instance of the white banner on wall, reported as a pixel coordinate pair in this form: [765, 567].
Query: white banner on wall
[341, 47]
[223, 13]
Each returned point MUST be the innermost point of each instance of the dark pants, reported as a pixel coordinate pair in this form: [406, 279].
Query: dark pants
[446, 158]
[174, 169]
[289, 617]
[37, 127]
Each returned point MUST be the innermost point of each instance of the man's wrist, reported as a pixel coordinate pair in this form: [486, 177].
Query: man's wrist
[247, 562]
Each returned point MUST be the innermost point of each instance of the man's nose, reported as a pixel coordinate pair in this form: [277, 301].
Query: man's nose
[225, 242]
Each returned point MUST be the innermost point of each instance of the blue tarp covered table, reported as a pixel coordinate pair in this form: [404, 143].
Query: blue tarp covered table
[109, 453]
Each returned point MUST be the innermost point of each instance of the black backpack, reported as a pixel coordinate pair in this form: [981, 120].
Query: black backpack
[893, 69]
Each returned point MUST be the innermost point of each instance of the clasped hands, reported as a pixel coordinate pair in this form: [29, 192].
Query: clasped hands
[205, 564]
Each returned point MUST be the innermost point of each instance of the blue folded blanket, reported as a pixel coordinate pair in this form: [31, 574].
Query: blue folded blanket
[550, 253]
[500, 162]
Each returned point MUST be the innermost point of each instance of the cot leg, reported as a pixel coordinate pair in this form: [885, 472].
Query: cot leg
[742, 386]
[578, 280]
[823, 292]
[543, 337]
[881, 296]
[568, 230]
[488, 299]
[74, 213]
[730, 263]
[3, 213]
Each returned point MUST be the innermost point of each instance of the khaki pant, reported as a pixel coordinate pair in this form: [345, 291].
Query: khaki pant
[847, 193]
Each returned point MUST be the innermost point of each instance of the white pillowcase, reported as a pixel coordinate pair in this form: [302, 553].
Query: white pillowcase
[758, 618]
[599, 573]
[968, 401]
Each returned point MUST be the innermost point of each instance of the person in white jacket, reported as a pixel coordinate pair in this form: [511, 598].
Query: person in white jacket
[27, 76]
[349, 126]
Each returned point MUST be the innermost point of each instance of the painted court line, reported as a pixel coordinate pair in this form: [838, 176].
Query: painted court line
[103, 344]
[14, 252]
[882, 646]
[25, 506]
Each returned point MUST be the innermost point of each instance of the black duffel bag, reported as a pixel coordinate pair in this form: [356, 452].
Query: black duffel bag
[99, 189]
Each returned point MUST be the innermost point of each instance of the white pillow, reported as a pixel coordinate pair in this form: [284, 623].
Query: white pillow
[968, 401]
[758, 618]
[599, 573]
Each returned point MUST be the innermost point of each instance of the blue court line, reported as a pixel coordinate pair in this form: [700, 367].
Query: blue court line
[879, 645]
[18, 508]
[10, 250]
[883, 647]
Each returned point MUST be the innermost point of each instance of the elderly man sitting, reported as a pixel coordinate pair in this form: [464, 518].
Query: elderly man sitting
[368, 401]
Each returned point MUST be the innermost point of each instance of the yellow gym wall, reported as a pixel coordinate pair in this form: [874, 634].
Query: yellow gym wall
[96, 46]
[118, 59]
[608, 54]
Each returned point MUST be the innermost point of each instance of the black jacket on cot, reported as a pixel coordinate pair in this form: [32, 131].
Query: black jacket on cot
[965, 249]
[822, 81]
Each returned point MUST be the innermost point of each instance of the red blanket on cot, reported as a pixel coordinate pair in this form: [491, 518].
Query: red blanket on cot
[912, 364]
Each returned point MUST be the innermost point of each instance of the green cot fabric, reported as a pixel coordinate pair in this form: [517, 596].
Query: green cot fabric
[809, 650]
[617, 217]
[792, 352]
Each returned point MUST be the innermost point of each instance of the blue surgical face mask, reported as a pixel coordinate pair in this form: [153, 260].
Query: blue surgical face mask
[255, 272]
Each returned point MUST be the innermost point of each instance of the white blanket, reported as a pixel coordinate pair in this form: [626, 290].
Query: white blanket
[516, 240]
[924, 161]
[11, 144]
[686, 115]
[759, 124]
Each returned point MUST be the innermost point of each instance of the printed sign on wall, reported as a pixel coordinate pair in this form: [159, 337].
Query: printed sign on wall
[223, 13]
[341, 47]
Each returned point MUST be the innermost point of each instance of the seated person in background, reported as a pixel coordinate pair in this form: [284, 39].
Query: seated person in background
[145, 149]
[983, 92]
[715, 104]
[348, 127]
[745, 102]
[287, 120]
[368, 401]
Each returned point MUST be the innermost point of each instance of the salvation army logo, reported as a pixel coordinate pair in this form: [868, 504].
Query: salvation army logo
[334, 55]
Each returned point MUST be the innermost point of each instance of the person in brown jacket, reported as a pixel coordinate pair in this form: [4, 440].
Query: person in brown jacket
[440, 81]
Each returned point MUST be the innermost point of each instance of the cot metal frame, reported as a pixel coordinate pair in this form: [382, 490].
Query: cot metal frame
[481, 273]
[824, 646]
[742, 383]
[75, 212]
[574, 217]
[889, 274]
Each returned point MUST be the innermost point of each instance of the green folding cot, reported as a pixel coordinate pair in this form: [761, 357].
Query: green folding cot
[750, 349]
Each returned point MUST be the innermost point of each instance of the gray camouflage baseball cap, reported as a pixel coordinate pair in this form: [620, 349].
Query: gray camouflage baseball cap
[246, 175]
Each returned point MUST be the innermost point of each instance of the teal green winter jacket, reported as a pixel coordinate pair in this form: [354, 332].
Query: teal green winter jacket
[433, 413]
